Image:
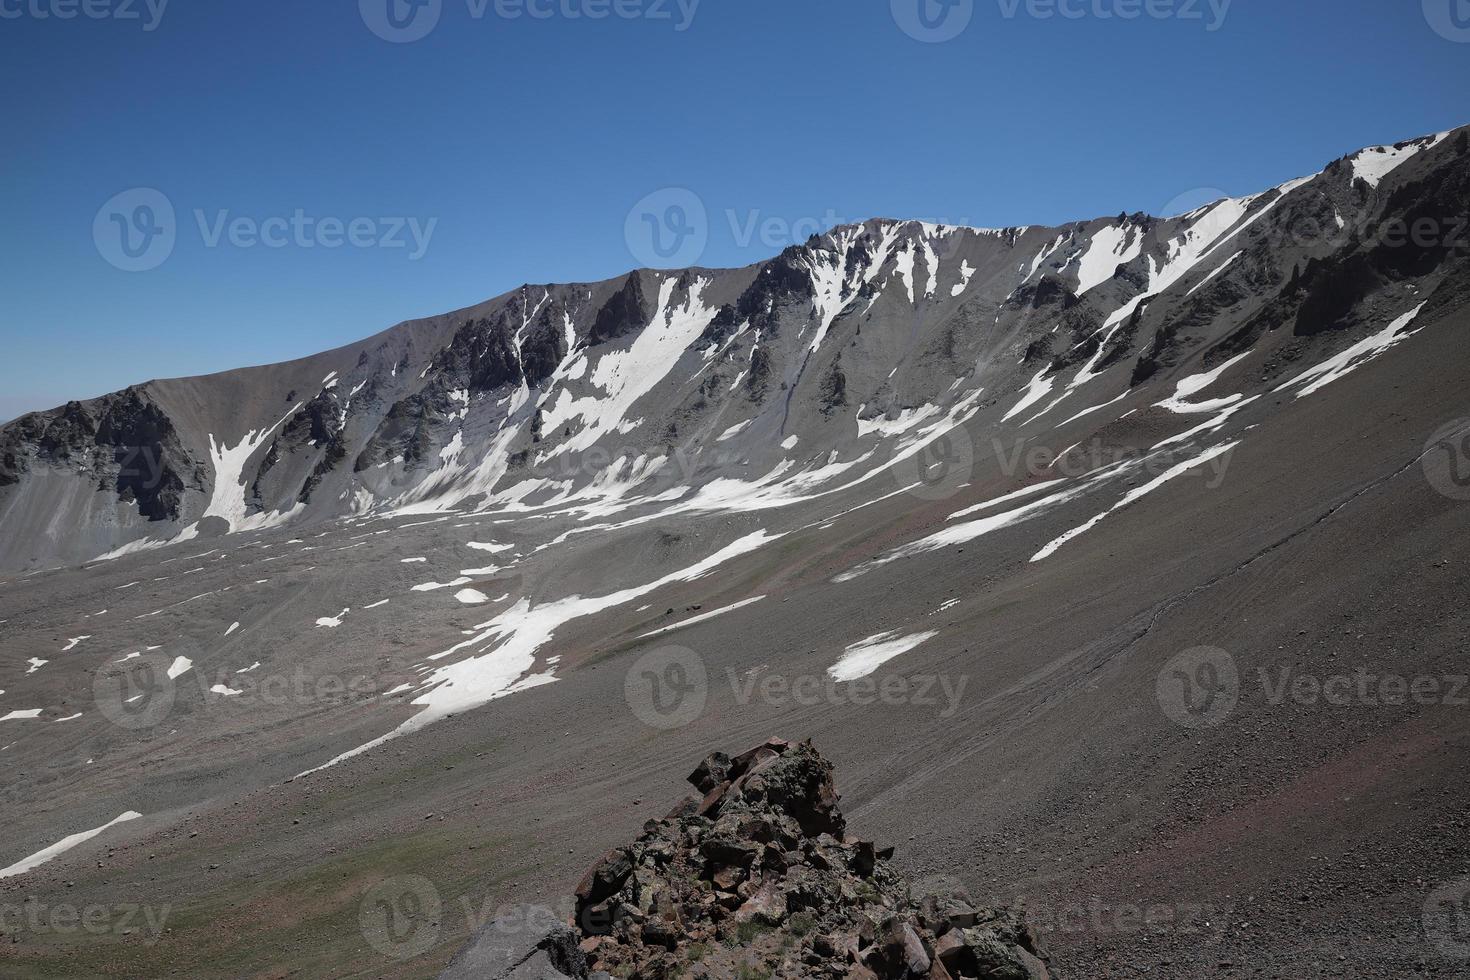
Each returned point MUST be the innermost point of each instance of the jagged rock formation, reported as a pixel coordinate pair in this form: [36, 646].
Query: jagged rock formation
[756, 877]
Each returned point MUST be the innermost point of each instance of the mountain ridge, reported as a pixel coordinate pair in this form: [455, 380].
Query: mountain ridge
[537, 357]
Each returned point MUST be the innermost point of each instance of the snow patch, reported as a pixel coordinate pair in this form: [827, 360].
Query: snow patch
[63, 845]
[704, 616]
[332, 622]
[1354, 357]
[866, 656]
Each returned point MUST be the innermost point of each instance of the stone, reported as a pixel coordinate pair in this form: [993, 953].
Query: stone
[766, 906]
[713, 771]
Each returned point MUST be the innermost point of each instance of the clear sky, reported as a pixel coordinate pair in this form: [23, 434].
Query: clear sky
[512, 142]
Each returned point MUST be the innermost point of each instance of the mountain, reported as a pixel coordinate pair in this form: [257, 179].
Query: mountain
[1117, 567]
[589, 396]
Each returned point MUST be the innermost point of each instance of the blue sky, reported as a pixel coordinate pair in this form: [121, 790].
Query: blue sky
[502, 147]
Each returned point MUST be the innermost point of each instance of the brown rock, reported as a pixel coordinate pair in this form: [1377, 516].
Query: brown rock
[713, 771]
[898, 950]
[727, 879]
[771, 746]
[767, 906]
[950, 949]
[605, 876]
[710, 805]
[1035, 969]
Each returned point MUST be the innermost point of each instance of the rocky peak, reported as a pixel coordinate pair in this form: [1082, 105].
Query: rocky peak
[624, 313]
[755, 875]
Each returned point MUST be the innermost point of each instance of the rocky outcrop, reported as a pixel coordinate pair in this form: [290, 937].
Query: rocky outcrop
[756, 875]
[624, 313]
[123, 440]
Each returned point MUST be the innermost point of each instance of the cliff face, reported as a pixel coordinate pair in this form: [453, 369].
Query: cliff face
[756, 876]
